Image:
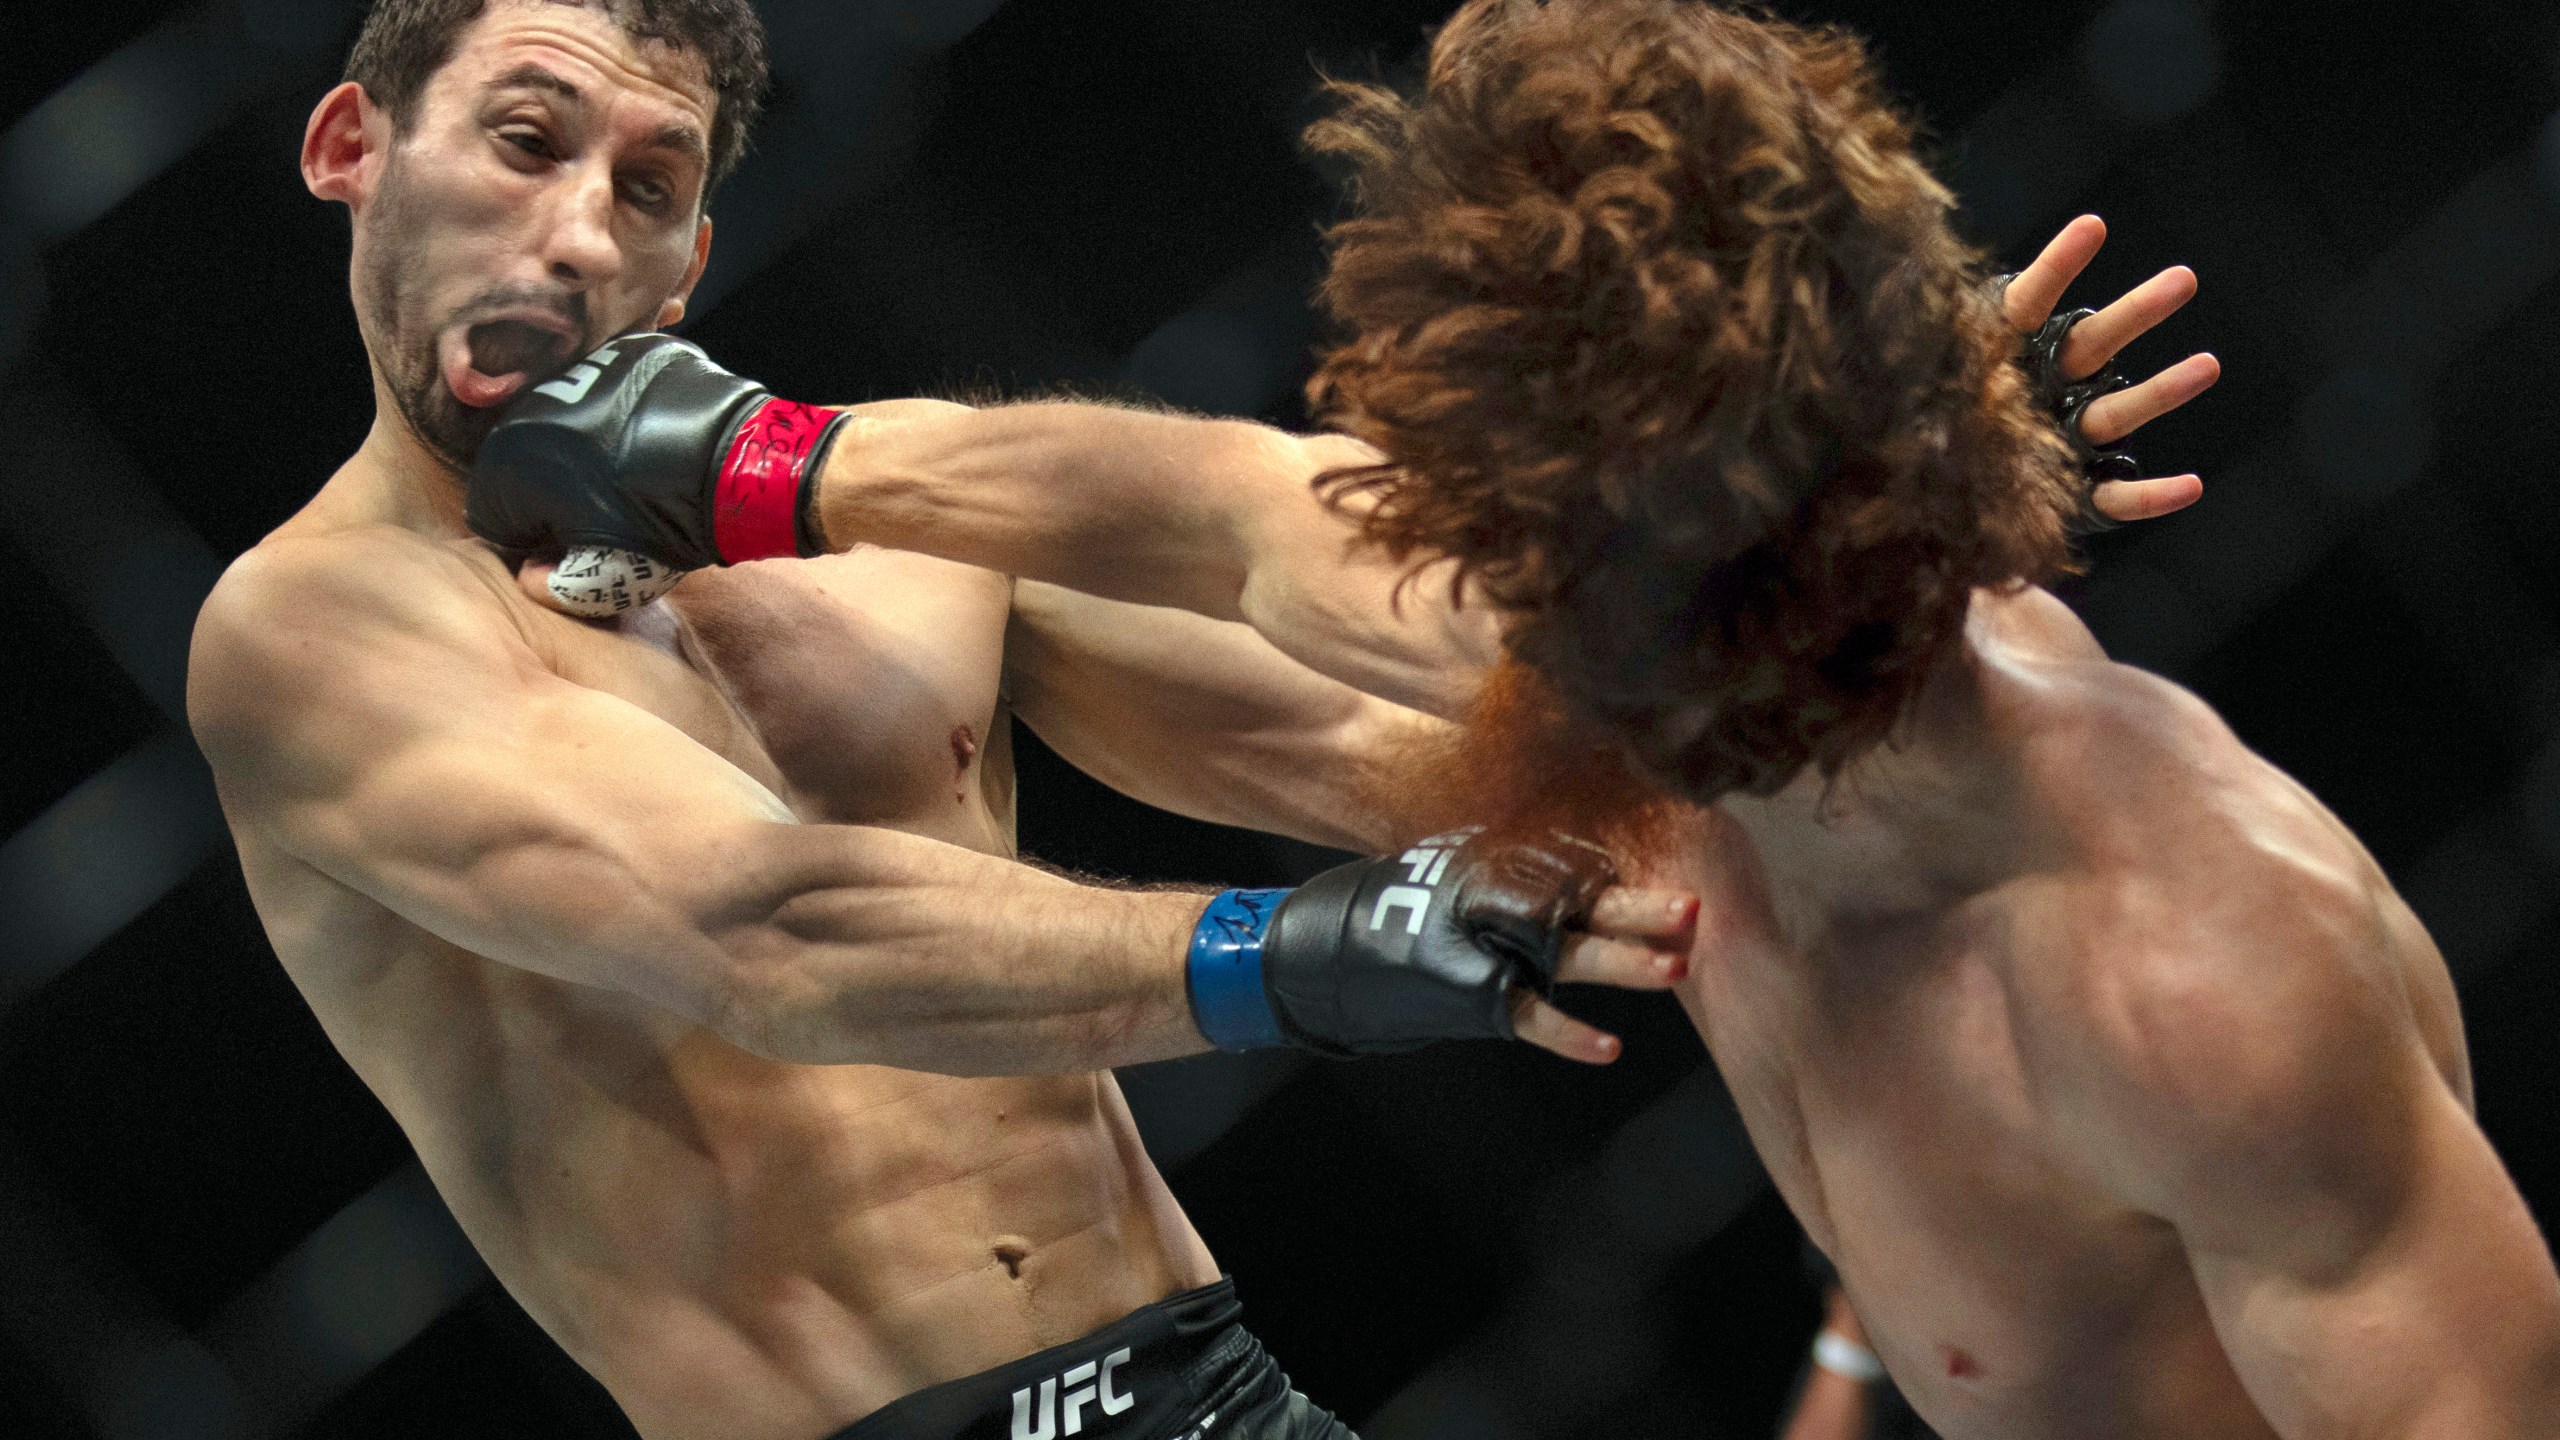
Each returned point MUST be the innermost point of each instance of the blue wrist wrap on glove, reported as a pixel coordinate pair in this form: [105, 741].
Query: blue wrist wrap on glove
[1227, 1000]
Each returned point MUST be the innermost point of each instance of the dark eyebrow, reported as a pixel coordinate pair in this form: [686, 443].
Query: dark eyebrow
[678, 136]
[683, 139]
[530, 76]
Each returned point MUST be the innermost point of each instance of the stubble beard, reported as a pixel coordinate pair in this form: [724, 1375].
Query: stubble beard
[404, 343]
[405, 340]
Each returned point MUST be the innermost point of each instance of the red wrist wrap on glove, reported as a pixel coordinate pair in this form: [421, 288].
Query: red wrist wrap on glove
[755, 506]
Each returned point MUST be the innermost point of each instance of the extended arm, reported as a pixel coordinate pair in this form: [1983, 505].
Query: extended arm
[647, 450]
[388, 726]
[650, 448]
[1206, 718]
[1218, 517]
[378, 717]
[1203, 717]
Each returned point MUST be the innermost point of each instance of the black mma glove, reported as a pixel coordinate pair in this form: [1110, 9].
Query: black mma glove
[647, 446]
[1386, 955]
[2068, 402]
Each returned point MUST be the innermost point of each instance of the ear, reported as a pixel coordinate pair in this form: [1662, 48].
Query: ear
[345, 131]
[673, 310]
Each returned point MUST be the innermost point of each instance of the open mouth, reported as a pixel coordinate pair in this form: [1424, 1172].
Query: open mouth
[486, 364]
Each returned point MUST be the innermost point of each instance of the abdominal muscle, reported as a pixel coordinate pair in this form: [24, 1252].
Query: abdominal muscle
[735, 1247]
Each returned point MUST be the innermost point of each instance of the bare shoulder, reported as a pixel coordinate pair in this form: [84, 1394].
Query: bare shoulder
[2143, 781]
[2224, 970]
[302, 618]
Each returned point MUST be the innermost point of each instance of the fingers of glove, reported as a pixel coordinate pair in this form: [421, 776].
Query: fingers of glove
[1662, 917]
[2032, 296]
[1627, 964]
[595, 583]
[1526, 892]
[2110, 418]
[2094, 341]
[1550, 1029]
[2123, 500]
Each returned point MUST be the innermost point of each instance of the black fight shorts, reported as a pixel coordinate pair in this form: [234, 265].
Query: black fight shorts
[1180, 1369]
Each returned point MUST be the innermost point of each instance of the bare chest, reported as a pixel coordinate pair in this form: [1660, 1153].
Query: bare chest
[860, 689]
[1884, 1088]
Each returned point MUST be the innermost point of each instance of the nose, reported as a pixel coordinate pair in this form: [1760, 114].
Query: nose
[579, 245]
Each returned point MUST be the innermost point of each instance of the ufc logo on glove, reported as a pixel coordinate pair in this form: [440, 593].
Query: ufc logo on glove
[1360, 961]
[1426, 862]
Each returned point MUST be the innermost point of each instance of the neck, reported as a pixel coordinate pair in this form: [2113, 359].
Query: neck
[1911, 827]
[392, 479]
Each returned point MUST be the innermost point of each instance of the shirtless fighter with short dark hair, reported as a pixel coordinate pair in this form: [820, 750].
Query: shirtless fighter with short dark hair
[2126, 1095]
[624, 921]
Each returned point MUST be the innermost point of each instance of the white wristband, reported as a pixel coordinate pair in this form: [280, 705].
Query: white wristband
[1846, 1358]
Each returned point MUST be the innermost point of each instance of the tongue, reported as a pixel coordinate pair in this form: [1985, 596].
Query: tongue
[487, 364]
[480, 391]
[470, 384]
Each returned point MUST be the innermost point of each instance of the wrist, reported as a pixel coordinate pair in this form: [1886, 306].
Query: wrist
[763, 498]
[1223, 975]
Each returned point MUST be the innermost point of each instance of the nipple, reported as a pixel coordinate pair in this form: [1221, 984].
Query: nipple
[964, 748]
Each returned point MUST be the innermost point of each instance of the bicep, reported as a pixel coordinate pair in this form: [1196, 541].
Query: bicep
[2415, 1299]
[435, 767]
[1202, 717]
[566, 833]
[2253, 1076]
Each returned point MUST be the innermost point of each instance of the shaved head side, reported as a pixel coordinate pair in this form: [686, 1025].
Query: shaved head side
[1657, 317]
[404, 43]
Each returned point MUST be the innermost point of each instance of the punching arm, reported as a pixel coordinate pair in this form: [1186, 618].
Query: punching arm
[648, 448]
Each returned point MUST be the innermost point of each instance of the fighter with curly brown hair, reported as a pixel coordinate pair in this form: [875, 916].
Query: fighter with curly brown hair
[2125, 1093]
[2127, 1097]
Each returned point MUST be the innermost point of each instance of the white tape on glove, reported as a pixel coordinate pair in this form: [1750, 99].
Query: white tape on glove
[598, 583]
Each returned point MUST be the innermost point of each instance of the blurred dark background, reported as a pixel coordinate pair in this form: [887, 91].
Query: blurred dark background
[209, 1229]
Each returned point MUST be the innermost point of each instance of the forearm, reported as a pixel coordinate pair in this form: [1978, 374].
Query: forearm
[830, 944]
[1838, 1401]
[1127, 504]
[964, 965]
[1206, 718]
[1217, 517]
